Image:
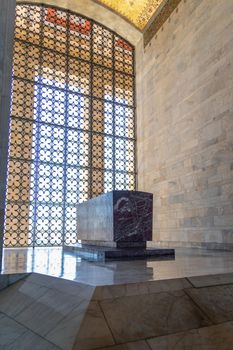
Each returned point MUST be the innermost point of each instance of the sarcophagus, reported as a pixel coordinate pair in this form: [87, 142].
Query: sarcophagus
[118, 219]
[116, 225]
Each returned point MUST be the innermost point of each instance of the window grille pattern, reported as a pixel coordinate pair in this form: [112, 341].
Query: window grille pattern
[72, 132]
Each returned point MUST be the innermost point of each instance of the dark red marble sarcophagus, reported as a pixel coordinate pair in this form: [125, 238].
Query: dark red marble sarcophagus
[117, 218]
[116, 225]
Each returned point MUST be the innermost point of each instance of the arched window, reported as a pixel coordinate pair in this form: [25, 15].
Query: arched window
[72, 132]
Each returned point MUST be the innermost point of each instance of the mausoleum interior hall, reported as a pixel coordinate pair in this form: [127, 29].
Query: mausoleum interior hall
[116, 175]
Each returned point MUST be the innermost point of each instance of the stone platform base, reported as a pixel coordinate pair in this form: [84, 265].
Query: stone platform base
[182, 313]
[102, 253]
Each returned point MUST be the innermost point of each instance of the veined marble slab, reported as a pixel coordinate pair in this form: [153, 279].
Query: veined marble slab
[211, 280]
[218, 337]
[215, 301]
[47, 307]
[143, 316]
[130, 289]
[137, 345]
[47, 313]
[116, 216]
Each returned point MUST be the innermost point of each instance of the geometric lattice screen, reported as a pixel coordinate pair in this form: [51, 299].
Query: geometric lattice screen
[72, 133]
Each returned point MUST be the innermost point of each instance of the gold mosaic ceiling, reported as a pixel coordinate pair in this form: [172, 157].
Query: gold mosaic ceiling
[138, 12]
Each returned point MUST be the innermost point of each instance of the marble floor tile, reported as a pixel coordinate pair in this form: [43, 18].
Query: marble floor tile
[3, 281]
[56, 314]
[15, 277]
[218, 337]
[94, 332]
[10, 331]
[9, 279]
[168, 285]
[65, 332]
[123, 290]
[72, 288]
[31, 341]
[139, 317]
[216, 301]
[46, 312]
[211, 280]
[138, 345]
[17, 297]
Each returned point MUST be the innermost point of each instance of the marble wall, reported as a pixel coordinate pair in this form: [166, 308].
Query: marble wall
[185, 125]
[7, 10]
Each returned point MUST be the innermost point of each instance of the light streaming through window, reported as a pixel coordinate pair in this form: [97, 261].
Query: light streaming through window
[72, 134]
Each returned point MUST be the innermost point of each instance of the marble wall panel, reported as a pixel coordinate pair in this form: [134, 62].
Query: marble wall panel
[185, 125]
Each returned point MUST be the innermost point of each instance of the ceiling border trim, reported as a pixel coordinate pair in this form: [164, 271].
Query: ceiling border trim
[159, 19]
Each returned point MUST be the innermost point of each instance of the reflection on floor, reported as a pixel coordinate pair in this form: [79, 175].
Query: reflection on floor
[54, 262]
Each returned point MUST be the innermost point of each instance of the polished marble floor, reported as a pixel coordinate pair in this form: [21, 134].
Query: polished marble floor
[55, 262]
